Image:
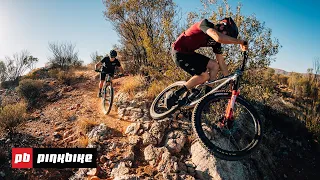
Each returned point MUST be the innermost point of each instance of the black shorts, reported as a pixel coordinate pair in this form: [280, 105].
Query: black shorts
[104, 74]
[193, 63]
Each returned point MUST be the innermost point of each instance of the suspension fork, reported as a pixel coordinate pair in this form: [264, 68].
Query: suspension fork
[232, 100]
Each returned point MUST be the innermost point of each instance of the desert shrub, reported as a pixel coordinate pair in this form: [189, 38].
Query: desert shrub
[30, 89]
[10, 84]
[66, 77]
[133, 84]
[39, 73]
[54, 73]
[85, 125]
[12, 115]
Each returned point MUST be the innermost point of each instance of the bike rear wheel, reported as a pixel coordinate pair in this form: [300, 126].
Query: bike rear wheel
[158, 109]
[107, 99]
[238, 137]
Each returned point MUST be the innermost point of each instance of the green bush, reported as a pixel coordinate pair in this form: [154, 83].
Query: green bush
[12, 115]
[30, 89]
[10, 84]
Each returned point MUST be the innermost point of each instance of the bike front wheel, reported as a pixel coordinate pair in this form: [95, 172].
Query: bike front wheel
[107, 99]
[233, 139]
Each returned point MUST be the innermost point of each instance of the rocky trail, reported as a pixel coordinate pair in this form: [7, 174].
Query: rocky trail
[133, 146]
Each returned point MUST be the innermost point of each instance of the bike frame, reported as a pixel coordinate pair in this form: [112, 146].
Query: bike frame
[235, 77]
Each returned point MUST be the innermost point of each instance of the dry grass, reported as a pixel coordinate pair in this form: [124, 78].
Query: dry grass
[155, 88]
[83, 141]
[133, 84]
[12, 115]
[85, 125]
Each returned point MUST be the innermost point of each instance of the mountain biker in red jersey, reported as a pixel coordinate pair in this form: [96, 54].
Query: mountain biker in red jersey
[109, 65]
[202, 68]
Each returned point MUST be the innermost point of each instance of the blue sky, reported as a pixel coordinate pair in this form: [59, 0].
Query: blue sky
[31, 24]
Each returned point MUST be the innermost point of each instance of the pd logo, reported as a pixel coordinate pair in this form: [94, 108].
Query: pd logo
[22, 158]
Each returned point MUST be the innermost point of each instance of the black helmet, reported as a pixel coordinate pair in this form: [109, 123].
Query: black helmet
[113, 53]
[230, 27]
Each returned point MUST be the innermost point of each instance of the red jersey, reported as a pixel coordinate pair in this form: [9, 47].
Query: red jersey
[196, 37]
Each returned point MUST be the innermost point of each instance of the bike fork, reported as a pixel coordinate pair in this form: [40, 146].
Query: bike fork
[229, 110]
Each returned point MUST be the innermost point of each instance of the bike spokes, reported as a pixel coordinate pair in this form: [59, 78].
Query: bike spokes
[234, 132]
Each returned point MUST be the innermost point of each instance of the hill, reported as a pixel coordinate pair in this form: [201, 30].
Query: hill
[131, 145]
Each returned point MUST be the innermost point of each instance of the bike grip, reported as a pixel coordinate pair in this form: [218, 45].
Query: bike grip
[245, 43]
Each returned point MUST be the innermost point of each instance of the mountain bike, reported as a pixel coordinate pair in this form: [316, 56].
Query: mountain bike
[227, 125]
[107, 94]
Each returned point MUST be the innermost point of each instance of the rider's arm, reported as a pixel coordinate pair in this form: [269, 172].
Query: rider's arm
[222, 64]
[208, 28]
[98, 65]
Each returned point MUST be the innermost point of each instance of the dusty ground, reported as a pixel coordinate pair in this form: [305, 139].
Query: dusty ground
[65, 117]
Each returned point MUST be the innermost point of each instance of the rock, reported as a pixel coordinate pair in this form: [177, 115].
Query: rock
[60, 128]
[80, 174]
[128, 163]
[128, 177]
[72, 118]
[175, 141]
[136, 115]
[129, 155]
[139, 95]
[94, 178]
[134, 140]
[119, 170]
[134, 103]
[187, 177]
[168, 163]
[153, 154]
[67, 89]
[182, 167]
[92, 172]
[171, 176]
[2, 174]
[140, 132]
[146, 126]
[137, 110]
[97, 131]
[57, 135]
[121, 98]
[190, 164]
[112, 146]
[133, 128]
[157, 130]
[148, 139]
[121, 112]
[208, 167]
[191, 171]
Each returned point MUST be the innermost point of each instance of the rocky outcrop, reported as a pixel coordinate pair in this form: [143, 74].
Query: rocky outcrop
[209, 167]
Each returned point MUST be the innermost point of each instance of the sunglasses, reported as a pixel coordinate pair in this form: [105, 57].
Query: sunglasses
[225, 27]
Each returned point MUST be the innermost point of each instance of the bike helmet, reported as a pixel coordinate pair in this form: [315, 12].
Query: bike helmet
[113, 53]
[230, 27]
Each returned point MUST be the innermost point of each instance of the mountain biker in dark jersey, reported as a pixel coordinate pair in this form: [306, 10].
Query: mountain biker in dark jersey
[202, 68]
[108, 66]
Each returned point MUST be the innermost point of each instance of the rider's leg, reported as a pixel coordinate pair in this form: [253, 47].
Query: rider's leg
[212, 68]
[192, 82]
[197, 79]
[102, 79]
